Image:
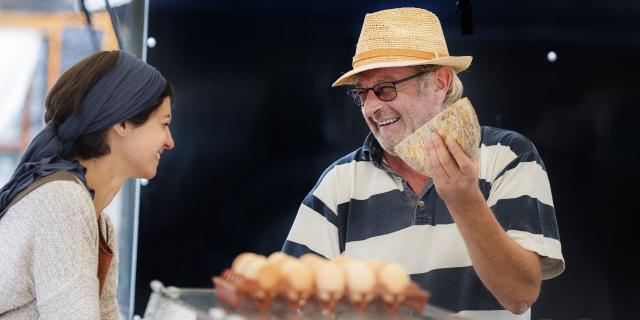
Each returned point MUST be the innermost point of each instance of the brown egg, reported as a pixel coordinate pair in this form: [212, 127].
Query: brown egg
[251, 268]
[268, 276]
[360, 279]
[311, 260]
[374, 264]
[278, 258]
[297, 275]
[393, 277]
[329, 279]
[239, 263]
[342, 259]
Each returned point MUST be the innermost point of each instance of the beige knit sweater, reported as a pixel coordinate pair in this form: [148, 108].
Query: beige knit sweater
[49, 257]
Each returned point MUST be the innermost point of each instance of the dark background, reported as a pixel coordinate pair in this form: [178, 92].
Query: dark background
[257, 122]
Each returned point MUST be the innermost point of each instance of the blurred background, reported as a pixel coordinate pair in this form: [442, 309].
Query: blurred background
[257, 122]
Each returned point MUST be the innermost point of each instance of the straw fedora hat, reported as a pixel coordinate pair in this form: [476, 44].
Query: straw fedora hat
[401, 37]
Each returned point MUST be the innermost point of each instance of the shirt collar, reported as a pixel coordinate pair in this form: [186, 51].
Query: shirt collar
[372, 151]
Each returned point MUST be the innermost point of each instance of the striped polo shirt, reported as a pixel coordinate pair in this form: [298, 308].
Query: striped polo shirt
[360, 209]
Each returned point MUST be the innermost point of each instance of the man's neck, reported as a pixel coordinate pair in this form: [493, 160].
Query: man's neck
[416, 180]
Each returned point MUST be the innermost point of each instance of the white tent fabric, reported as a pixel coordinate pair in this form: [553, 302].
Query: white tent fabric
[19, 52]
[96, 5]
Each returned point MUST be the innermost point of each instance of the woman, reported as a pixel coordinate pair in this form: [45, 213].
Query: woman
[107, 120]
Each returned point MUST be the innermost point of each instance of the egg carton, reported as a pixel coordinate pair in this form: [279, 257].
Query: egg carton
[249, 298]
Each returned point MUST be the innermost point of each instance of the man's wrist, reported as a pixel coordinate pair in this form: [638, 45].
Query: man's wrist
[467, 202]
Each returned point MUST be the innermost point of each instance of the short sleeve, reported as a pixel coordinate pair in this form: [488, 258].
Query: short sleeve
[521, 199]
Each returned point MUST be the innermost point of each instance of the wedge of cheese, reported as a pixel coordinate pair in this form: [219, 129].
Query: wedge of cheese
[458, 121]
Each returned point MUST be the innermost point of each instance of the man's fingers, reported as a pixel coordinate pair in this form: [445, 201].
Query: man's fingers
[448, 163]
[465, 164]
[435, 167]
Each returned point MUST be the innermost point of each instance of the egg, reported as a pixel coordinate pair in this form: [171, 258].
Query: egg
[251, 268]
[240, 262]
[393, 277]
[374, 264]
[268, 276]
[278, 258]
[360, 280]
[311, 260]
[297, 275]
[329, 279]
[342, 259]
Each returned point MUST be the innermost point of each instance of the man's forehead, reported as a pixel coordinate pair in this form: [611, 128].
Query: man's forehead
[381, 75]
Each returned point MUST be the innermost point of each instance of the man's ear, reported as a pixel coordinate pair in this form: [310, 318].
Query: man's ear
[120, 128]
[443, 78]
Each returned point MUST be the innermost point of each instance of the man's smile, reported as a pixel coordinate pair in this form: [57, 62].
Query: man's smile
[387, 122]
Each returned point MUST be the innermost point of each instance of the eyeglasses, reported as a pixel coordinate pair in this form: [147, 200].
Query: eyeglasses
[385, 91]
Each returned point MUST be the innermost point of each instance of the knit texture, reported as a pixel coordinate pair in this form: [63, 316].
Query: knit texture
[49, 257]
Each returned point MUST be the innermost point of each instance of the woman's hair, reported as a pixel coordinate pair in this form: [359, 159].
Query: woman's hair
[67, 94]
[455, 87]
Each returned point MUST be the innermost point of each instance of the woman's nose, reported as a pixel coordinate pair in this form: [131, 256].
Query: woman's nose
[169, 143]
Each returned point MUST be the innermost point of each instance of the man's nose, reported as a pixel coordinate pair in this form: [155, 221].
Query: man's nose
[371, 104]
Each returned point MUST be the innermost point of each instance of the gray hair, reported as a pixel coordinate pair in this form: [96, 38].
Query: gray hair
[455, 87]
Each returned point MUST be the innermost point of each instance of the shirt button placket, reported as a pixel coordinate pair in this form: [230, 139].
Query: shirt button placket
[426, 219]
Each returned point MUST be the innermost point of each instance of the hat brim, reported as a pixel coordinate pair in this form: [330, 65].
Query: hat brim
[459, 64]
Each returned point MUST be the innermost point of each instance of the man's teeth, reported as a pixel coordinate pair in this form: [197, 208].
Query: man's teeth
[387, 122]
[157, 155]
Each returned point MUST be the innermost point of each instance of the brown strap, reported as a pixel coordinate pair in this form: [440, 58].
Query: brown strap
[381, 52]
[56, 176]
[105, 255]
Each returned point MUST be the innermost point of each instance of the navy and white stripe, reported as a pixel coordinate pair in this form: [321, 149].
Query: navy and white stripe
[359, 209]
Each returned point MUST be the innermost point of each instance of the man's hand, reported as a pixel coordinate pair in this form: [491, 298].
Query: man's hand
[454, 174]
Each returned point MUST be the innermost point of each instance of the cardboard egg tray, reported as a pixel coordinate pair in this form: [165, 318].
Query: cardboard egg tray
[246, 297]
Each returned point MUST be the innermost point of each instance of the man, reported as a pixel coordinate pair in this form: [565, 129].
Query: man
[480, 233]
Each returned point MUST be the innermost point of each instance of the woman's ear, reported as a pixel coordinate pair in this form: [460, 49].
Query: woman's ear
[120, 128]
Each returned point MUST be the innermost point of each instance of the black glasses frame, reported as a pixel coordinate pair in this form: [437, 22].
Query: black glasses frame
[385, 91]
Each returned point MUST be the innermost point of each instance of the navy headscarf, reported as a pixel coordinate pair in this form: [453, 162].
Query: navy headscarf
[126, 90]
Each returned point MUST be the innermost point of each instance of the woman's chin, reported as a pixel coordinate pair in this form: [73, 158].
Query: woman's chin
[150, 175]
[147, 175]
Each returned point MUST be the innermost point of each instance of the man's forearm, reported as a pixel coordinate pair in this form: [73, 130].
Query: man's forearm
[511, 273]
